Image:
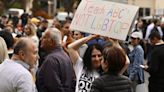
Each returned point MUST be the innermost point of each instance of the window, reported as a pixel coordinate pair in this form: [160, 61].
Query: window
[147, 11]
[144, 12]
[140, 12]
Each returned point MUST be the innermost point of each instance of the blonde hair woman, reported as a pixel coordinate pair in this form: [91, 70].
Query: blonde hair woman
[30, 32]
[3, 50]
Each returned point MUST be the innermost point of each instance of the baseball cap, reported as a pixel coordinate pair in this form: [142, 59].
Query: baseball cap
[35, 20]
[137, 35]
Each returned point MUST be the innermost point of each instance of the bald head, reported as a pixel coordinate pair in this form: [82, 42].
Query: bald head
[26, 51]
[22, 44]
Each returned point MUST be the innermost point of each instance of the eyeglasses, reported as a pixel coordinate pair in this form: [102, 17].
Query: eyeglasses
[133, 38]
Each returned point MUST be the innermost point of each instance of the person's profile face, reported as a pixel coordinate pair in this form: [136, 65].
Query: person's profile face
[65, 28]
[104, 65]
[27, 30]
[31, 54]
[77, 35]
[153, 41]
[45, 40]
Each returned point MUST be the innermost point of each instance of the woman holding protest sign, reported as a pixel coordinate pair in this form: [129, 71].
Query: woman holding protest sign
[87, 68]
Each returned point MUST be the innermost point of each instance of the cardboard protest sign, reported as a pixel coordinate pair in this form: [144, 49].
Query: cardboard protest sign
[104, 18]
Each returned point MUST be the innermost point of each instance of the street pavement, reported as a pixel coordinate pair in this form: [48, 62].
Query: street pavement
[143, 87]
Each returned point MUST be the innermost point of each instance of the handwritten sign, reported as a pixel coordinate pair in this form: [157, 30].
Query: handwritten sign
[104, 18]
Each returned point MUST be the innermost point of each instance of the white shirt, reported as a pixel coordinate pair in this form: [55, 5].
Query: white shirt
[82, 50]
[83, 80]
[149, 28]
[14, 77]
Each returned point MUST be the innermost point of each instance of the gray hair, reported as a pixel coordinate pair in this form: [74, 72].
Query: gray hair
[55, 35]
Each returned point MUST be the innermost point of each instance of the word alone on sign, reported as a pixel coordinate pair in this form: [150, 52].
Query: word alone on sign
[104, 18]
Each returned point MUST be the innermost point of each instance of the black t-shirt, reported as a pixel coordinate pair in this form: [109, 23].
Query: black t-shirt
[156, 68]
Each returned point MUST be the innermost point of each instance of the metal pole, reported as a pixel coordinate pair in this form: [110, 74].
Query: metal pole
[49, 8]
[55, 6]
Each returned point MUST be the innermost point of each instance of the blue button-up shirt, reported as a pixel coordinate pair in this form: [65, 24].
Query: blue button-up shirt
[136, 57]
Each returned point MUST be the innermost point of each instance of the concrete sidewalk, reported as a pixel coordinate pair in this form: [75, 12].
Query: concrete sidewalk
[143, 87]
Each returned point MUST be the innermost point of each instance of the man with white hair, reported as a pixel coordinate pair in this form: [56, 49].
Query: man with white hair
[56, 72]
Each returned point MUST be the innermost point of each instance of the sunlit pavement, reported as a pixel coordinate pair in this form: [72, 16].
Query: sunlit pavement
[143, 87]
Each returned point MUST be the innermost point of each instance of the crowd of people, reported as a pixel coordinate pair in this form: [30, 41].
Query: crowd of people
[36, 56]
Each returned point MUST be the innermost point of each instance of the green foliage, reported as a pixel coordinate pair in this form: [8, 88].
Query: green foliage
[12, 4]
[39, 5]
[16, 5]
[1, 7]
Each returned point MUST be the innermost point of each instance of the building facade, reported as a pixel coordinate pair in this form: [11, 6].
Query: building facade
[147, 7]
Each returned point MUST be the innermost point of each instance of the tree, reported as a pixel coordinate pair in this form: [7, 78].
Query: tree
[1, 7]
[6, 4]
